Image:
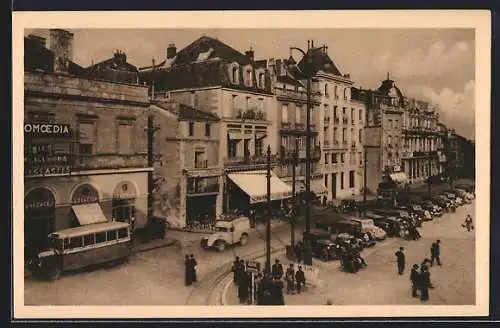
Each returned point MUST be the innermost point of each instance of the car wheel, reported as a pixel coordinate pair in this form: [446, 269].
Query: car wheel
[220, 246]
[53, 273]
[244, 239]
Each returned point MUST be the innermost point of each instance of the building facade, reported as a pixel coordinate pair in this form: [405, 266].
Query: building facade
[84, 145]
[213, 77]
[461, 155]
[421, 134]
[291, 102]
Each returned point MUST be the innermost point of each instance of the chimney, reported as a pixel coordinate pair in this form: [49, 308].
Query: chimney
[250, 54]
[38, 39]
[120, 57]
[278, 67]
[61, 44]
[171, 51]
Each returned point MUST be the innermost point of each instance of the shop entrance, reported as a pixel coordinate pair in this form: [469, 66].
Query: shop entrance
[201, 211]
[124, 203]
[39, 216]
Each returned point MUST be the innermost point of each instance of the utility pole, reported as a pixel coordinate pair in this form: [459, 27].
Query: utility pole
[429, 166]
[294, 205]
[150, 132]
[365, 157]
[268, 226]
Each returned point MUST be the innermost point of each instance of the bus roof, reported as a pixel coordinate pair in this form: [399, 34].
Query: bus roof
[88, 229]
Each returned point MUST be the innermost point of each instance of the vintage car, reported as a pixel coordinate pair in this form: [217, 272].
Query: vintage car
[322, 246]
[345, 240]
[392, 225]
[470, 188]
[467, 196]
[399, 213]
[434, 209]
[420, 211]
[228, 232]
[460, 194]
[350, 225]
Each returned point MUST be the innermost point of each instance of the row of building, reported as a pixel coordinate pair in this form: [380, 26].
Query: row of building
[90, 152]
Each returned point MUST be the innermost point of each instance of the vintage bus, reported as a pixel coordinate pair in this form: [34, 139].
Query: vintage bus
[82, 246]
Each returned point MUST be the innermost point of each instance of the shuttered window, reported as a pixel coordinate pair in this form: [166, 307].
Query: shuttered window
[125, 138]
[87, 138]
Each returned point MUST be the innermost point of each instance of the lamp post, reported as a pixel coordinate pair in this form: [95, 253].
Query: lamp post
[294, 205]
[429, 168]
[308, 72]
[268, 225]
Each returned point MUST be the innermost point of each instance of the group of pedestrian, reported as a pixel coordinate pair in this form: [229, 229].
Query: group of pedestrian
[295, 280]
[190, 270]
[468, 223]
[420, 279]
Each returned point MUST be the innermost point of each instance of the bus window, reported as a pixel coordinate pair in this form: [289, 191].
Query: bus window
[122, 233]
[111, 235]
[75, 242]
[66, 243]
[88, 240]
[100, 237]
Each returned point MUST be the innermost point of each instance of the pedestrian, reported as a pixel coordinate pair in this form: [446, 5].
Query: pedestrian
[415, 280]
[401, 260]
[243, 287]
[278, 297]
[277, 270]
[468, 223]
[193, 268]
[424, 285]
[298, 251]
[290, 279]
[187, 271]
[235, 269]
[300, 279]
[435, 252]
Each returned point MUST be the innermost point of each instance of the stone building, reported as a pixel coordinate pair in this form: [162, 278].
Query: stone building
[213, 77]
[421, 134]
[461, 154]
[291, 100]
[383, 133]
[442, 149]
[84, 144]
[187, 169]
[339, 123]
[115, 69]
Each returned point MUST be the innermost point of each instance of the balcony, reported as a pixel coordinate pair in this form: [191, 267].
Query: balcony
[196, 188]
[201, 164]
[287, 155]
[248, 160]
[301, 96]
[250, 114]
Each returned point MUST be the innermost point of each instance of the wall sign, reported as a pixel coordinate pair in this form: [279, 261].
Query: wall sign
[47, 129]
[85, 194]
[39, 199]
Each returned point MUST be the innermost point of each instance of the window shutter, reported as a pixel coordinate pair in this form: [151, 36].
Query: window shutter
[125, 144]
[86, 133]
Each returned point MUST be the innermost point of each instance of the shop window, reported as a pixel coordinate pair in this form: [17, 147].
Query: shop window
[75, 242]
[88, 240]
[191, 129]
[100, 237]
[122, 233]
[351, 179]
[111, 235]
[123, 210]
[232, 148]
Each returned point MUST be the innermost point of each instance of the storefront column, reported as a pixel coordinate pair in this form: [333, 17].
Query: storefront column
[220, 198]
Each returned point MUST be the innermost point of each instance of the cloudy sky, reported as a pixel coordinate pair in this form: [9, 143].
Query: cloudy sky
[437, 65]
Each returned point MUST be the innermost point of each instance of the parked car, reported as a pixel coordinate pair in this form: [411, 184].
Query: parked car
[434, 209]
[443, 203]
[389, 224]
[465, 194]
[449, 203]
[350, 225]
[347, 206]
[229, 231]
[345, 240]
[420, 211]
[322, 246]
[461, 195]
[470, 188]
[399, 213]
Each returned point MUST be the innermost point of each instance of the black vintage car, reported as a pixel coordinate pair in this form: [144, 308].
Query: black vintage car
[347, 206]
[348, 226]
[322, 246]
[393, 226]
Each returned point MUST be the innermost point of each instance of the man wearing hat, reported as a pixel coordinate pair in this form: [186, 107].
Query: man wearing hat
[277, 270]
[415, 280]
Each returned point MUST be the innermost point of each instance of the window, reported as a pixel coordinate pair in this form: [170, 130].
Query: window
[234, 76]
[40, 116]
[326, 158]
[344, 132]
[111, 235]
[360, 115]
[390, 124]
[326, 181]
[345, 93]
[284, 113]
[342, 180]
[247, 103]
[125, 137]
[351, 179]
[335, 113]
[326, 89]
[122, 233]
[335, 135]
[88, 240]
[233, 148]
[343, 111]
[261, 104]
[336, 91]
[233, 101]
[360, 156]
[191, 129]
[389, 140]
[75, 242]
[298, 114]
[334, 158]
[352, 115]
[248, 77]
[326, 113]
[262, 80]
[259, 146]
[87, 136]
[100, 237]
[360, 135]
[207, 130]
[200, 160]
[396, 124]
[246, 148]
[342, 158]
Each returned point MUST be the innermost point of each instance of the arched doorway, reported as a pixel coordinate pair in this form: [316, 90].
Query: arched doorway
[84, 194]
[123, 203]
[39, 217]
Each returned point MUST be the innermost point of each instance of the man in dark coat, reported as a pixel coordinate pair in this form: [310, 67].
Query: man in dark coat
[193, 268]
[290, 279]
[424, 285]
[415, 280]
[236, 269]
[243, 287]
[300, 279]
[298, 251]
[468, 223]
[187, 271]
[278, 297]
[401, 260]
[277, 270]
[435, 252]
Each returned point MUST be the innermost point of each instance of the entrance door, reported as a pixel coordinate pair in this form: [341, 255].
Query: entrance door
[334, 185]
[39, 216]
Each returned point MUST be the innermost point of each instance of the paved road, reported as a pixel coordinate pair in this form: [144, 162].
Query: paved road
[155, 277]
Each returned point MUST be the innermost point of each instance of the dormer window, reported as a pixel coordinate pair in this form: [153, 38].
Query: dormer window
[326, 89]
[262, 80]
[248, 76]
[234, 71]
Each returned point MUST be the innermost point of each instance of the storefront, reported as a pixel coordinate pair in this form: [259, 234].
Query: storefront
[39, 217]
[123, 203]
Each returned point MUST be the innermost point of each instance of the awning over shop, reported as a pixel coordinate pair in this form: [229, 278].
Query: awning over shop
[89, 213]
[254, 184]
[399, 177]
[318, 187]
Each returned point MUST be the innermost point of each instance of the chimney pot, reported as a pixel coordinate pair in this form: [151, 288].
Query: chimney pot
[171, 51]
[250, 54]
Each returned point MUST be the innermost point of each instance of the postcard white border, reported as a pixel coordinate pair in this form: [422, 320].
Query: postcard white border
[478, 19]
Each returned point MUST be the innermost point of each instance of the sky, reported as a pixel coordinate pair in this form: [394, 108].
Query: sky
[436, 65]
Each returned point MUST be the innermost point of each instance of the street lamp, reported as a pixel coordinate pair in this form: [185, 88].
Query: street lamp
[308, 72]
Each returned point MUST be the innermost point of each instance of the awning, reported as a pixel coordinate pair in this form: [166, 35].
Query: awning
[399, 177]
[254, 184]
[318, 187]
[89, 213]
